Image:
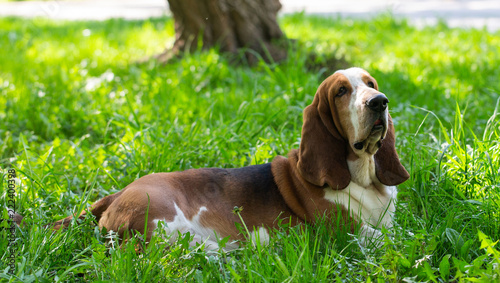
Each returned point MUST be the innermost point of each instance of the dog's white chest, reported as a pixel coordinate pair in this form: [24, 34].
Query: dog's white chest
[366, 203]
[373, 204]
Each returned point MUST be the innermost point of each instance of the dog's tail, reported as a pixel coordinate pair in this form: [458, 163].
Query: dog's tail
[17, 218]
[97, 209]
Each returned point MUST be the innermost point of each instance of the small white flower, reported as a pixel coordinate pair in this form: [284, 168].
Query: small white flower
[86, 32]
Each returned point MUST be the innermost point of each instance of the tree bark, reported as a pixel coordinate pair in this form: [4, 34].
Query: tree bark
[250, 25]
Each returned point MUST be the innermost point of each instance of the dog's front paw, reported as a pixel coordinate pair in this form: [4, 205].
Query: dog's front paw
[370, 238]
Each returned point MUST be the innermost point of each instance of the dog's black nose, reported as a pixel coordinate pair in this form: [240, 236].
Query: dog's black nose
[378, 103]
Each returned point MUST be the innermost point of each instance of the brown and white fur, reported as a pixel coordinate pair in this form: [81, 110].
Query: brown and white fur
[346, 161]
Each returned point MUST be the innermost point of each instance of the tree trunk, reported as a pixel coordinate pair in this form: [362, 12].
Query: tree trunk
[230, 24]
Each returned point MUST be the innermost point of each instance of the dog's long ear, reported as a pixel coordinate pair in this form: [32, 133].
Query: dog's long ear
[323, 150]
[389, 169]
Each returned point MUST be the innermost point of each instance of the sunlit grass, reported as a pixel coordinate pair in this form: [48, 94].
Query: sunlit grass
[80, 120]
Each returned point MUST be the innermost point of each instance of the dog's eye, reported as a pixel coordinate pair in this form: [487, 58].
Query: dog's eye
[342, 91]
[371, 84]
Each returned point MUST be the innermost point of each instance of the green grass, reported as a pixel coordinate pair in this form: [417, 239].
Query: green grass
[80, 120]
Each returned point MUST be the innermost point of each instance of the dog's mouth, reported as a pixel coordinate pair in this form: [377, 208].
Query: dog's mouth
[372, 142]
[378, 125]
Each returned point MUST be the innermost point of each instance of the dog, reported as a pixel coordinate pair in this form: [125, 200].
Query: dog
[346, 166]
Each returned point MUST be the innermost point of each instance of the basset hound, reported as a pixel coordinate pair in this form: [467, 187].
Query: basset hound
[346, 166]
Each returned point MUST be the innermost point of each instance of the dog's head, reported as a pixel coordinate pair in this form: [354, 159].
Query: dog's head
[348, 116]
